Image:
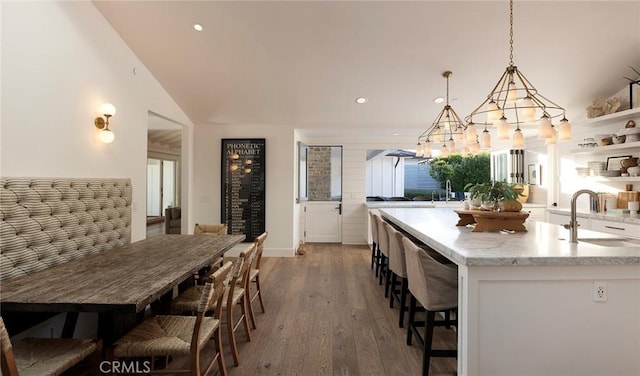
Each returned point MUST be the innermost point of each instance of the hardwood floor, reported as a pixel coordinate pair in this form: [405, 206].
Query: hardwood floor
[327, 315]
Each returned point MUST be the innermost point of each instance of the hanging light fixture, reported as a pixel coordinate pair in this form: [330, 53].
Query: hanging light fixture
[447, 131]
[514, 103]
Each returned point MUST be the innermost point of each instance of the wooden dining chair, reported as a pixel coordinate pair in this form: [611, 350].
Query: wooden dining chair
[182, 336]
[48, 356]
[210, 229]
[234, 295]
[254, 278]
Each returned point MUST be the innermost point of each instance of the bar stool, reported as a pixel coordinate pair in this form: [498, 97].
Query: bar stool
[383, 246]
[398, 271]
[375, 251]
[435, 286]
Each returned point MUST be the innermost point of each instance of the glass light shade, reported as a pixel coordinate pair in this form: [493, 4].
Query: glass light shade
[233, 167]
[485, 143]
[544, 127]
[553, 139]
[106, 136]
[493, 113]
[458, 135]
[419, 150]
[437, 135]
[503, 129]
[472, 132]
[528, 110]
[518, 139]
[451, 145]
[512, 93]
[444, 152]
[247, 170]
[474, 147]
[108, 109]
[428, 146]
[564, 130]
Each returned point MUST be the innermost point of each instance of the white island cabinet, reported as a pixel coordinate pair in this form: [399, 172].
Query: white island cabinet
[526, 300]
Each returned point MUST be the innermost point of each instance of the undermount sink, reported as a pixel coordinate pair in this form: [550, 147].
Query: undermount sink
[612, 242]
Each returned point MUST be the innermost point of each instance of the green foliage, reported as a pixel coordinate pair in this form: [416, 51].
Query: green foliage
[493, 192]
[461, 171]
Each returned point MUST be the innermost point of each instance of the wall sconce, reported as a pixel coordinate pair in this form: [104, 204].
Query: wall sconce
[105, 135]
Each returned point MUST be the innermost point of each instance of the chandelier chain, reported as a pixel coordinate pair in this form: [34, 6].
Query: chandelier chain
[511, 33]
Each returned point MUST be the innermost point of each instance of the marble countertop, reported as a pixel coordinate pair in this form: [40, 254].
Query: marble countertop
[429, 204]
[624, 218]
[544, 244]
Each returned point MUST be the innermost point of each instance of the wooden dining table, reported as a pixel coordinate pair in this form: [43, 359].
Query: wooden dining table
[119, 283]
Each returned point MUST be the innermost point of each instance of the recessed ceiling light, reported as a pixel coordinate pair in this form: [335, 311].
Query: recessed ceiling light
[198, 27]
[395, 134]
[438, 100]
[361, 100]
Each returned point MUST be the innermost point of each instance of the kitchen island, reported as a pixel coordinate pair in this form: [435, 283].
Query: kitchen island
[526, 300]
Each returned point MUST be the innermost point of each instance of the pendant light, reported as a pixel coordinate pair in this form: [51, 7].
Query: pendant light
[514, 103]
[447, 130]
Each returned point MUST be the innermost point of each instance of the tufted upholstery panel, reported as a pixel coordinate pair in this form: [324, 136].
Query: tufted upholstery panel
[49, 221]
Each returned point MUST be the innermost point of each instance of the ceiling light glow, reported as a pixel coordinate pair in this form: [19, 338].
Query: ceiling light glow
[198, 27]
[361, 100]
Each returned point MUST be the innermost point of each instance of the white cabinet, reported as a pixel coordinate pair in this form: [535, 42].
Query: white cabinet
[628, 230]
[624, 229]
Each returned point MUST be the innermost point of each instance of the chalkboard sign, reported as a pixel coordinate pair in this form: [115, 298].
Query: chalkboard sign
[243, 182]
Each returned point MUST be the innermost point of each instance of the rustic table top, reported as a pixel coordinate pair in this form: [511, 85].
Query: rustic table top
[125, 279]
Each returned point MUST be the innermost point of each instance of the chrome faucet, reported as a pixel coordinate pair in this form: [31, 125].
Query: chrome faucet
[447, 190]
[573, 223]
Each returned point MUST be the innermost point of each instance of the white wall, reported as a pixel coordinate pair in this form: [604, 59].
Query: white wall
[60, 61]
[279, 170]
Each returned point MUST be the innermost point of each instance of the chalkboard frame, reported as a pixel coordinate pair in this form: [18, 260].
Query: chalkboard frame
[242, 206]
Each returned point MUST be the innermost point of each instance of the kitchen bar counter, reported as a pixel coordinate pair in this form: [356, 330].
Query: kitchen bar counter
[527, 302]
[541, 245]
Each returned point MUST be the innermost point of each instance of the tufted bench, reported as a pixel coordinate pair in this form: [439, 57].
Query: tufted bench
[48, 221]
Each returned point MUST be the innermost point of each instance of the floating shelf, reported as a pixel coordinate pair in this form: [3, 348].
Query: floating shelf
[608, 148]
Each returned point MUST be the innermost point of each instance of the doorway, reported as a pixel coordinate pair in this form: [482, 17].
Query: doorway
[321, 192]
[161, 187]
[164, 150]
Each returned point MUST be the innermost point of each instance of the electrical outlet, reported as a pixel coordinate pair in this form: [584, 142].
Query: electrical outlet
[599, 291]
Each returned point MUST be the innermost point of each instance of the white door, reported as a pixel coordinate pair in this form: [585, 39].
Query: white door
[323, 222]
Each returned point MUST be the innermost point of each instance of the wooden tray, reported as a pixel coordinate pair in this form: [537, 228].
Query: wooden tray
[492, 221]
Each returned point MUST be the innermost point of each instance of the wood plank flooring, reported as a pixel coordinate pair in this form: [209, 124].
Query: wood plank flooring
[327, 315]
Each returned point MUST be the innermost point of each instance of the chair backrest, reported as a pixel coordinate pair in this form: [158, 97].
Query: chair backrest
[9, 367]
[374, 227]
[259, 248]
[383, 238]
[396, 251]
[241, 270]
[211, 228]
[433, 284]
[213, 289]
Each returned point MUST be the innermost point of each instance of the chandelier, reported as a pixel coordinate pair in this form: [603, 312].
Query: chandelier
[447, 132]
[514, 103]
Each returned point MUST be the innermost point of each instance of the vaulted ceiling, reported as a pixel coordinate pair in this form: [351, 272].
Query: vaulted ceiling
[305, 62]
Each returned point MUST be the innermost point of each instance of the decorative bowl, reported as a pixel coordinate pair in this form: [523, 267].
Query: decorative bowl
[604, 139]
[618, 139]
